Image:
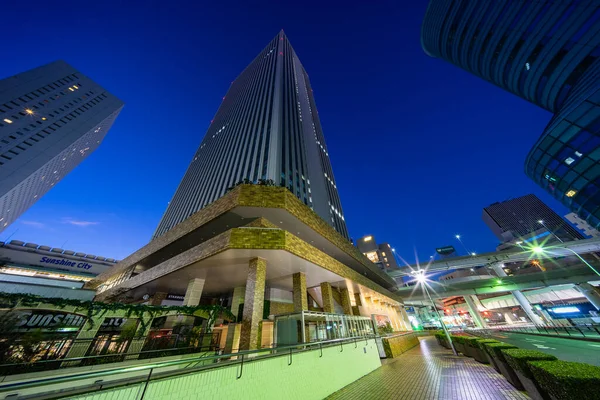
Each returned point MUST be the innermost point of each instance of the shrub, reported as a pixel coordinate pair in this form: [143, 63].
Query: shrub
[567, 380]
[470, 341]
[517, 358]
[496, 348]
[480, 342]
[457, 339]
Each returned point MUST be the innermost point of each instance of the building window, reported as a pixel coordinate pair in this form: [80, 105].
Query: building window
[571, 193]
[8, 121]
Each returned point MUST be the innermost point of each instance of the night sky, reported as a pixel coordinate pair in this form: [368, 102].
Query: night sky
[418, 146]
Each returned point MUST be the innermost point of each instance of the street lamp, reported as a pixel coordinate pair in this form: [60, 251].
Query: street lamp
[422, 279]
[463, 245]
[541, 221]
[540, 250]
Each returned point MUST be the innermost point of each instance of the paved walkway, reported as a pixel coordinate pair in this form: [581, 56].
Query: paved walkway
[430, 372]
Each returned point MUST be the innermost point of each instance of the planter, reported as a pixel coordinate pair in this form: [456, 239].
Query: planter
[509, 373]
[495, 351]
[564, 380]
[518, 359]
[533, 390]
[459, 347]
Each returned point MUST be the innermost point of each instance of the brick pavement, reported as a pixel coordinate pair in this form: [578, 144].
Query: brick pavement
[431, 372]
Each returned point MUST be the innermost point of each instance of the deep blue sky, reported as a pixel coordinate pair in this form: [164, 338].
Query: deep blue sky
[418, 146]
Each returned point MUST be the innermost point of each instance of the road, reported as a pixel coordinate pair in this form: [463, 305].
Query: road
[563, 349]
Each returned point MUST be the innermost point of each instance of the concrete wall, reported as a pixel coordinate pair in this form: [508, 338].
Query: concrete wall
[308, 377]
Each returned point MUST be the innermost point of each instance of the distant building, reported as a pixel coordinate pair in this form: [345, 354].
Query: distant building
[519, 219]
[51, 118]
[380, 254]
[582, 225]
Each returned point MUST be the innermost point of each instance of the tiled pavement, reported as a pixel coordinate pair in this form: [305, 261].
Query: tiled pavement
[429, 372]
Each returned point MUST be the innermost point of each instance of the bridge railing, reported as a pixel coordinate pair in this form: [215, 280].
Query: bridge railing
[590, 331]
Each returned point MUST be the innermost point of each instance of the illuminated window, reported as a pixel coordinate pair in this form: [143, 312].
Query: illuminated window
[383, 253]
[578, 154]
[8, 121]
[43, 118]
[569, 160]
[373, 256]
[366, 239]
[571, 193]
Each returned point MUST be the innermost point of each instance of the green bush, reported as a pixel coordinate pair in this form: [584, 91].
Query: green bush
[470, 341]
[518, 358]
[480, 342]
[496, 348]
[567, 380]
[457, 339]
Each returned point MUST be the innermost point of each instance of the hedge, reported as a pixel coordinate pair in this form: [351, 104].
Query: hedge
[480, 342]
[567, 380]
[496, 348]
[518, 358]
[471, 341]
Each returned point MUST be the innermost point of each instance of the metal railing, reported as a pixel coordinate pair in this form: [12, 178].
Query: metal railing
[581, 331]
[144, 374]
[50, 354]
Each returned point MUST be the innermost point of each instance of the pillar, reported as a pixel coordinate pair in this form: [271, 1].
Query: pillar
[509, 318]
[520, 297]
[138, 340]
[253, 304]
[591, 293]
[232, 341]
[300, 298]
[346, 305]
[238, 298]
[193, 292]
[327, 296]
[474, 311]
[157, 298]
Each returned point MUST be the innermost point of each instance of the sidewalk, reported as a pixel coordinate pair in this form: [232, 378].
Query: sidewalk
[430, 372]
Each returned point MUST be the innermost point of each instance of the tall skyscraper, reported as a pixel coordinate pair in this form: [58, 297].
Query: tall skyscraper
[267, 128]
[546, 52]
[520, 218]
[51, 118]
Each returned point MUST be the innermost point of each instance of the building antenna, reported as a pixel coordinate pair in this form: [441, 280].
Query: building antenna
[63, 245]
[11, 235]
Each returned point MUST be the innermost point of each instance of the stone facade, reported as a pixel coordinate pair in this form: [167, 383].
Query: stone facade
[193, 292]
[345, 303]
[300, 297]
[327, 295]
[253, 304]
[396, 345]
[278, 307]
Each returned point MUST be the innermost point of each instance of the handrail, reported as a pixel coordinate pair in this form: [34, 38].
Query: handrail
[239, 355]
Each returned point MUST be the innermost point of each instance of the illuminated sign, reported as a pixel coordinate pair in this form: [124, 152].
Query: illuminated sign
[66, 263]
[565, 310]
[40, 319]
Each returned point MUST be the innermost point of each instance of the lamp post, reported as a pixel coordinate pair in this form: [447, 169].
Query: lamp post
[540, 250]
[422, 279]
[541, 221]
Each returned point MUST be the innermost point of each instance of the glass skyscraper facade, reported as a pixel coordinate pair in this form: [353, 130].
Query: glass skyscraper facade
[547, 53]
[51, 118]
[267, 128]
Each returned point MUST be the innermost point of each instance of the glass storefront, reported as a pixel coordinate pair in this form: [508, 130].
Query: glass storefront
[314, 326]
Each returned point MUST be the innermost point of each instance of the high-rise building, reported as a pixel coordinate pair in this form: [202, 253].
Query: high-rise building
[524, 218]
[267, 128]
[51, 118]
[546, 52]
[380, 254]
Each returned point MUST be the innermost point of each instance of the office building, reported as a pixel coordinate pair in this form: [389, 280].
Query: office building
[582, 225]
[266, 129]
[379, 254]
[546, 52]
[519, 219]
[51, 118]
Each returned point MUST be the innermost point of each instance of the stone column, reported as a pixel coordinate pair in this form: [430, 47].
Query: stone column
[474, 311]
[238, 298]
[300, 298]
[193, 292]
[232, 342]
[137, 342]
[327, 295]
[520, 297]
[591, 293]
[253, 303]
[157, 298]
[346, 305]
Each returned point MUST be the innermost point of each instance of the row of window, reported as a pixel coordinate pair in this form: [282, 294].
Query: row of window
[48, 130]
